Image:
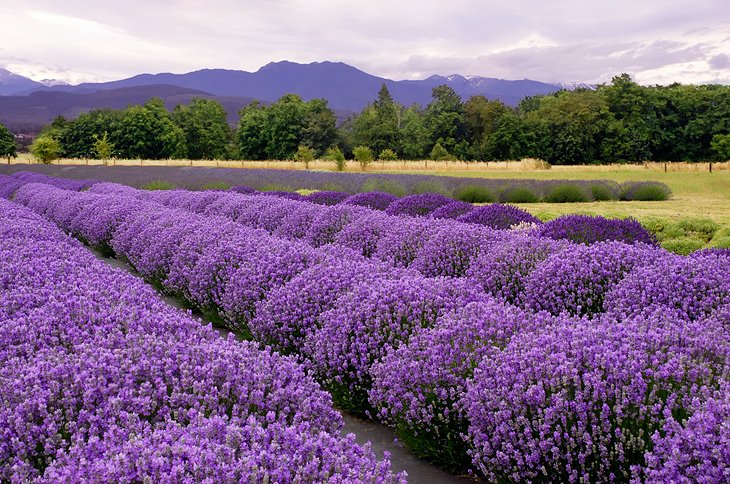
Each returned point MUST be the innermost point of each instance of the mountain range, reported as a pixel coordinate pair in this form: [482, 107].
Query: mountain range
[26, 105]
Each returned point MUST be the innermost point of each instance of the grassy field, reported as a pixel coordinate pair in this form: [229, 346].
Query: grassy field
[697, 215]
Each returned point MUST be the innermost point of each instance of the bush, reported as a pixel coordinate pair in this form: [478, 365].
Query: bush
[602, 193]
[375, 200]
[439, 153]
[387, 155]
[452, 210]
[45, 148]
[498, 216]
[384, 185]
[582, 402]
[217, 185]
[518, 195]
[327, 197]
[588, 229]
[566, 193]
[475, 194]
[431, 186]
[576, 280]
[304, 154]
[645, 191]
[694, 288]
[243, 189]
[335, 154]
[363, 155]
[417, 205]
[682, 245]
[159, 185]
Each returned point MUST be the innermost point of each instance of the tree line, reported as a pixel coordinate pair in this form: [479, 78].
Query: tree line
[617, 122]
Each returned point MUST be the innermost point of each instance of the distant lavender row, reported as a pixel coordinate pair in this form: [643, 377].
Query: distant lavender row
[103, 382]
[504, 190]
[382, 339]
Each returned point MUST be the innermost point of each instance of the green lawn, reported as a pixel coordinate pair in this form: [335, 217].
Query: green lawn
[698, 199]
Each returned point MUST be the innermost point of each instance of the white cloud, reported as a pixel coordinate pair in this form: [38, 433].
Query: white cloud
[573, 40]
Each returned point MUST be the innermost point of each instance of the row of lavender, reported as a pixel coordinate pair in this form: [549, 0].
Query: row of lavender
[406, 346]
[101, 381]
[506, 190]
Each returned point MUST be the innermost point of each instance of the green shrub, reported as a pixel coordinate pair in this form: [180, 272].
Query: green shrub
[431, 186]
[275, 187]
[363, 155]
[601, 193]
[217, 185]
[518, 195]
[700, 228]
[384, 185]
[335, 154]
[439, 153]
[45, 148]
[387, 155]
[645, 192]
[159, 185]
[566, 193]
[721, 239]
[305, 154]
[683, 245]
[475, 194]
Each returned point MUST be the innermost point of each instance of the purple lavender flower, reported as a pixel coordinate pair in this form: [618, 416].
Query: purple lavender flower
[576, 280]
[366, 322]
[374, 200]
[418, 387]
[694, 450]
[452, 210]
[451, 250]
[417, 205]
[326, 197]
[504, 269]
[588, 229]
[498, 216]
[581, 401]
[693, 286]
[246, 190]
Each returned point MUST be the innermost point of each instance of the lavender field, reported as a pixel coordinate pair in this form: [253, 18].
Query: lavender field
[494, 345]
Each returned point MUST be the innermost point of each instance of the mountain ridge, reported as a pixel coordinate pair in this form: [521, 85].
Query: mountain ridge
[346, 88]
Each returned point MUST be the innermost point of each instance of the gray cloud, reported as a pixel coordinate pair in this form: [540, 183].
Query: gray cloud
[571, 40]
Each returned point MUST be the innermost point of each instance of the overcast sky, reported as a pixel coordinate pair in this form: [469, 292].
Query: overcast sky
[656, 41]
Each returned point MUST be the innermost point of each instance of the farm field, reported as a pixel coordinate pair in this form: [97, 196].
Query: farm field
[694, 194]
[578, 344]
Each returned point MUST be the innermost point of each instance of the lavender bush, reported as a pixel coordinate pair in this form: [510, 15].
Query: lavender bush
[364, 323]
[419, 386]
[582, 401]
[375, 200]
[498, 216]
[589, 229]
[576, 280]
[417, 205]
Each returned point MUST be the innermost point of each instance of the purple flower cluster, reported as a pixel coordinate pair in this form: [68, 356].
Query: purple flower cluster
[583, 401]
[392, 314]
[8, 185]
[588, 229]
[63, 183]
[102, 380]
[504, 270]
[419, 386]
[498, 216]
[694, 287]
[696, 450]
[374, 200]
[452, 210]
[417, 205]
[325, 197]
[577, 279]
[373, 318]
